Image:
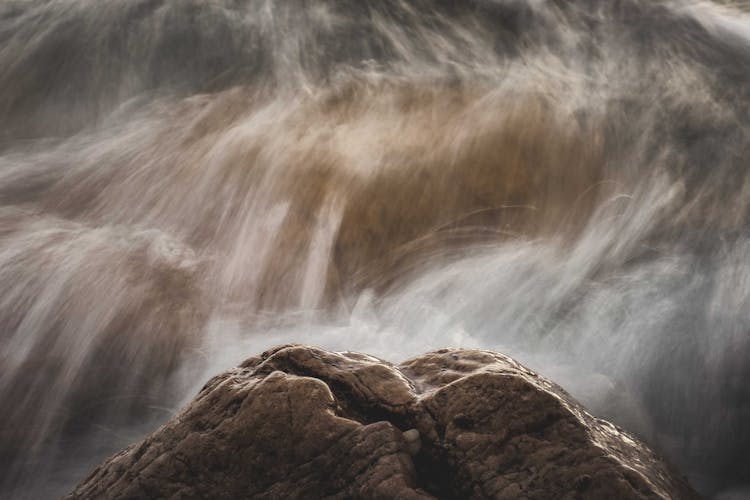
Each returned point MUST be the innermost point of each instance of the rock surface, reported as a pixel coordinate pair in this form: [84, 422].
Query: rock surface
[303, 422]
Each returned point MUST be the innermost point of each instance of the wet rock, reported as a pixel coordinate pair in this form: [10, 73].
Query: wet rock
[303, 422]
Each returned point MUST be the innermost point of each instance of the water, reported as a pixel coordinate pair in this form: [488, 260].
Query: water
[185, 183]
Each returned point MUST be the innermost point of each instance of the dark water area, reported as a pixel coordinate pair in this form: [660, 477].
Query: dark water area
[186, 183]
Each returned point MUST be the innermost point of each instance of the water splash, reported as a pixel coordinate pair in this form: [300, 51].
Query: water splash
[184, 183]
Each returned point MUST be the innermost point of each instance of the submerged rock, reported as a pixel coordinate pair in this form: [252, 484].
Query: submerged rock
[303, 422]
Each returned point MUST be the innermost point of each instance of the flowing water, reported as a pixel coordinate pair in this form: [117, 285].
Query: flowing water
[184, 183]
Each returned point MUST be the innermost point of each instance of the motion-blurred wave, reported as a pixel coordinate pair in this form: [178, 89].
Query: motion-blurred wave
[184, 183]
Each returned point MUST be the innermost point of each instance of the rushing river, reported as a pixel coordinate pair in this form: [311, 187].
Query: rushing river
[184, 183]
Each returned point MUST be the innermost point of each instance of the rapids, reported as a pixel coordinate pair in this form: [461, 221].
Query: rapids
[184, 183]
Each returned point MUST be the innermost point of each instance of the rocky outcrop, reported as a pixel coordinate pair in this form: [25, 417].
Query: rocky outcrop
[303, 422]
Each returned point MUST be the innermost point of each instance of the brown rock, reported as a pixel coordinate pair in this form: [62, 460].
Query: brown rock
[302, 422]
